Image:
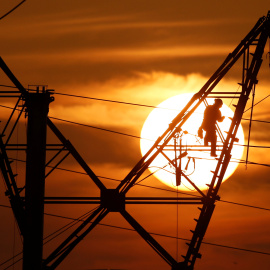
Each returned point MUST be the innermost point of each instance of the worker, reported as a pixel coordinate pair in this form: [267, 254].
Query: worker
[212, 114]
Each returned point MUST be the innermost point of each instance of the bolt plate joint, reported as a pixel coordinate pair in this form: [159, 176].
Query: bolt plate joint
[112, 200]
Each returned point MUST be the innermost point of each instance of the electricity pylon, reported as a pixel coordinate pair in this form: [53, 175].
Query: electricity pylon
[27, 202]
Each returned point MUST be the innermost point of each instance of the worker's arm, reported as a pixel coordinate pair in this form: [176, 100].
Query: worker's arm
[220, 118]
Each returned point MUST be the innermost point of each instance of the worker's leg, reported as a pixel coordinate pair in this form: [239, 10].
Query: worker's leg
[206, 138]
[213, 145]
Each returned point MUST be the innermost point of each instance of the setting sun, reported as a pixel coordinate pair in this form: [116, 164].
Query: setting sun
[198, 165]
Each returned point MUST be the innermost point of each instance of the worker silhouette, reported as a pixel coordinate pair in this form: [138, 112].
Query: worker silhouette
[212, 114]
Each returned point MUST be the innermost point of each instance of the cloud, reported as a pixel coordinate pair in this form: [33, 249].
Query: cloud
[122, 54]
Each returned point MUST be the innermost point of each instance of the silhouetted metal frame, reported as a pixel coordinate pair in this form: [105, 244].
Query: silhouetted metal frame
[261, 30]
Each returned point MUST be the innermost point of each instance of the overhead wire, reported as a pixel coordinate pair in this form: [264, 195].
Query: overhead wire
[99, 128]
[140, 138]
[126, 134]
[219, 245]
[3, 16]
[180, 238]
[54, 234]
[108, 100]
[81, 219]
[163, 189]
[148, 106]
[134, 104]
[257, 103]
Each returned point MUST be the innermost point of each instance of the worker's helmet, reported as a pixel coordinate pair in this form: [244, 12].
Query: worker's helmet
[218, 101]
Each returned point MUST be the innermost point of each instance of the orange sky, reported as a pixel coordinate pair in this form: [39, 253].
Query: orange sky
[140, 52]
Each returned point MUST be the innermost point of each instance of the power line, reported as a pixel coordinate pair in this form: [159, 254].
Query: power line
[99, 128]
[12, 10]
[137, 104]
[134, 136]
[246, 205]
[140, 137]
[255, 120]
[61, 230]
[99, 99]
[130, 135]
[149, 106]
[80, 219]
[257, 103]
[109, 100]
[163, 189]
[174, 237]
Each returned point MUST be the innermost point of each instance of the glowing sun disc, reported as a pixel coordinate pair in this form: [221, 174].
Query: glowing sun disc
[197, 165]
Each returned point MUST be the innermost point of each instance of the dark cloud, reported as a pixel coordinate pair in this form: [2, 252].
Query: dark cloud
[60, 31]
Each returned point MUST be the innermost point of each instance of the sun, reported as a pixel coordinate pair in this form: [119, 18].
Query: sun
[198, 165]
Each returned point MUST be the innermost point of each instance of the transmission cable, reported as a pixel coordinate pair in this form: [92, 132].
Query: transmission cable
[122, 133]
[60, 230]
[257, 103]
[129, 135]
[2, 17]
[94, 127]
[130, 103]
[134, 104]
[158, 188]
[169, 236]
[109, 100]
[80, 219]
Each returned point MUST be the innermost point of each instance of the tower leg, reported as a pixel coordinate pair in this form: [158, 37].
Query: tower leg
[37, 107]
